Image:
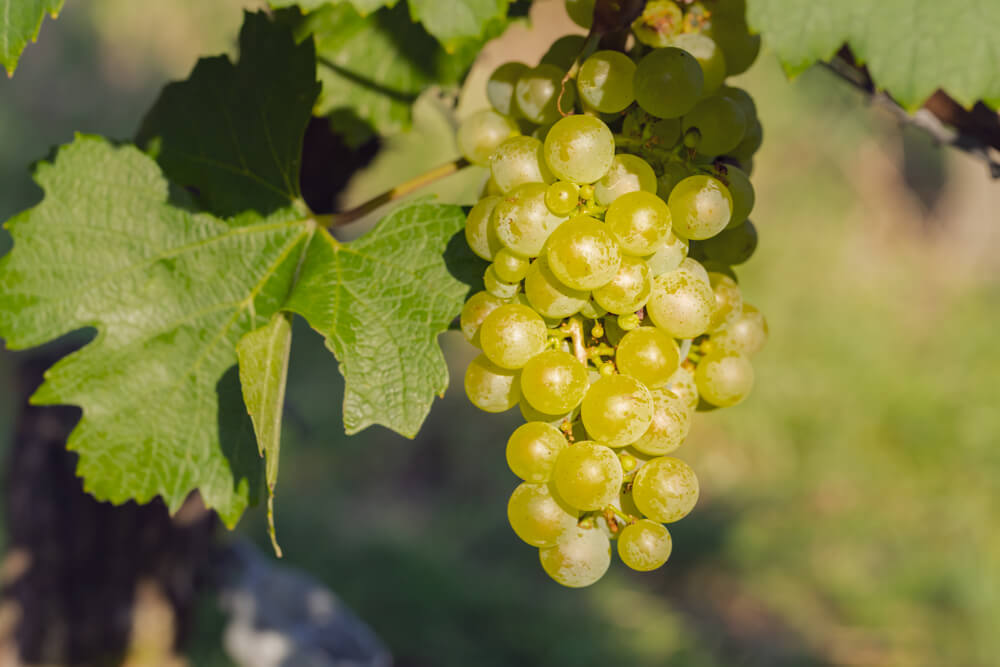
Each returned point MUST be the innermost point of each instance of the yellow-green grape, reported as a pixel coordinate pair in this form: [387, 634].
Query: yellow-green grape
[648, 355]
[532, 450]
[491, 388]
[696, 269]
[481, 133]
[644, 545]
[734, 38]
[581, 557]
[671, 424]
[628, 290]
[681, 304]
[639, 221]
[579, 149]
[628, 173]
[665, 489]
[605, 81]
[536, 94]
[549, 296]
[728, 301]
[587, 475]
[475, 310]
[517, 161]
[500, 87]
[617, 410]
[480, 234]
[497, 287]
[522, 222]
[668, 255]
[562, 197]
[550, 322]
[733, 245]
[752, 139]
[709, 57]
[538, 516]
[741, 190]
[554, 382]
[510, 267]
[682, 384]
[582, 254]
[673, 173]
[724, 378]
[668, 82]
[700, 207]
[720, 124]
[592, 310]
[581, 12]
[512, 334]
[564, 51]
[530, 414]
[660, 19]
[746, 334]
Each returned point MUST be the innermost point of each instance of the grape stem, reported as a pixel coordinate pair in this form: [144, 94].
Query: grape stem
[403, 189]
[575, 330]
[620, 514]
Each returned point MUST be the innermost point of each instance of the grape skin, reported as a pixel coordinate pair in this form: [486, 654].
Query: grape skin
[475, 310]
[511, 335]
[536, 94]
[491, 388]
[582, 254]
[587, 475]
[628, 290]
[665, 489]
[681, 304]
[532, 450]
[500, 87]
[517, 161]
[746, 334]
[538, 516]
[579, 149]
[523, 222]
[700, 207]
[648, 355]
[668, 82]
[639, 221]
[709, 56]
[724, 378]
[605, 81]
[479, 232]
[728, 301]
[480, 134]
[627, 173]
[617, 410]
[548, 295]
[669, 427]
[645, 545]
[554, 382]
[580, 558]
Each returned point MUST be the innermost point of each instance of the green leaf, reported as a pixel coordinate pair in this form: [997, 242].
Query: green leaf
[911, 47]
[364, 7]
[455, 21]
[20, 21]
[263, 356]
[234, 132]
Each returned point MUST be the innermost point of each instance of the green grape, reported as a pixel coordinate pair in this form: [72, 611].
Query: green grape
[648, 355]
[579, 149]
[628, 290]
[644, 545]
[668, 255]
[720, 124]
[530, 414]
[564, 51]
[617, 410]
[682, 384]
[581, 557]
[728, 301]
[750, 143]
[509, 267]
[592, 310]
[582, 254]
[497, 287]
[517, 161]
[733, 245]
[700, 207]
[665, 133]
[665, 489]
[562, 197]
[536, 94]
[538, 516]
[511, 335]
[709, 56]
[581, 12]
[605, 81]
[742, 99]
[475, 310]
[696, 269]
[550, 322]
[681, 304]
[660, 19]
[548, 295]
[480, 234]
[742, 193]
[628, 173]
[523, 222]
[673, 173]
[724, 378]
[668, 82]
[639, 221]
[532, 451]
[671, 424]
[500, 87]
[554, 382]
[587, 475]
[491, 388]
[745, 335]
[734, 38]
[481, 133]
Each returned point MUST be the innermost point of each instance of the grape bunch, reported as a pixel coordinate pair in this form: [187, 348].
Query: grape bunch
[617, 205]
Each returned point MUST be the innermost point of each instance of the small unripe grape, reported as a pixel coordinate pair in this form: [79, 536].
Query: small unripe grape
[523, 222]
[644, 545]
[628, 173]
[538, 516]
[580, 558]
[491, 388]
[746, 335]
[510, 267]
[582, 254]
[724, 378]
[562, 197]
[511, 335]
[579, 149]
[475, 310]
[671, 424]
[500, 87]
[628, 290]
[517, 161]
[532, 450]
[681, 304]
[605, 81]
[728, 301]
[617, 410]
[709, 56]
[548, 295]
[536, 94]
[665, 489]
[481, 133]
[479, 231]
[700, 207]
[639, 221]
[648, 355]
[554, 382]
[668, 82]
[587, 475]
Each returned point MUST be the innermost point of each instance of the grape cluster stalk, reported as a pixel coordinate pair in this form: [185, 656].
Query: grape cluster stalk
[617, 205]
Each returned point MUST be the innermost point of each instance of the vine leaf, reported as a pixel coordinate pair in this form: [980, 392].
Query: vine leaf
[911, 47]
[453, 22]
[20, 21]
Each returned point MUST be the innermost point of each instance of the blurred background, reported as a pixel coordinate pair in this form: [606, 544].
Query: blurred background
[849, 508]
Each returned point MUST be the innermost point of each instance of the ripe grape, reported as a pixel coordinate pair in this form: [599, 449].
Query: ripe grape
[648, 355]
[580, 558]
[579, 149]
[639, 221]
[532, 450]
[587, 475]
[605, 81]
[536, 94]
[538, 516]
[668, 82]
[548, 295]
[665, 489]
[681, 304]
[670, 425]
[696, 269]
[479, 232]
[522, 222]
[682, 384]
[511, 335]
[554, 382]
[475, 310]
[491, 388]
[746, 334]
[617, 410]
[709, 56]
[728, 301]
[517, 161]
[720, 124]
[497, 287]
[530, 414]
[644, 545]
[582, 254]
[668, 255]
[509, 267]
[500, 87]
[724, 378]
[628, 173]
[700, 207]
[628, 290]
[481, 133]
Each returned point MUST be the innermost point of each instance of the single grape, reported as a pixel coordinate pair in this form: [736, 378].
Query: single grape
[497, 287]
[668, 255]
[668, 82]
[746, 335]
[673, 173]
[709, 56]
[728, 301]
[724, 378]
[579, 149]
[681, 304]
[617, 410]
[700, 207]
[734, 38]
[538, 516]
[480, 234]
[481, 133]
[750, 143]
[512, 334]
[581, 12]
[536, 94]
[742, 193]
[682, 384]
[639, 221]
[696, 269]
[644, 545]
[657, 23]
[671, 424]
[733, 245]
[548, 295]
[742, 99]
[475, 310]
[491, 388]
[554, 382]
[628, 290]
[648, 355]
[605, 81]
[510, 267]
[500, 87]
[665, 489]
[582, 254]
[564, 51]
[581, 557]
[532, 450]
[522, 222]
[562, 197]
[587, 475]
[517, 161]
[720, 124]
[628, 173]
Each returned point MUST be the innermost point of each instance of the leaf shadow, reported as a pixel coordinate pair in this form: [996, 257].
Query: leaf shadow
[236, 437]
[463, 264]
